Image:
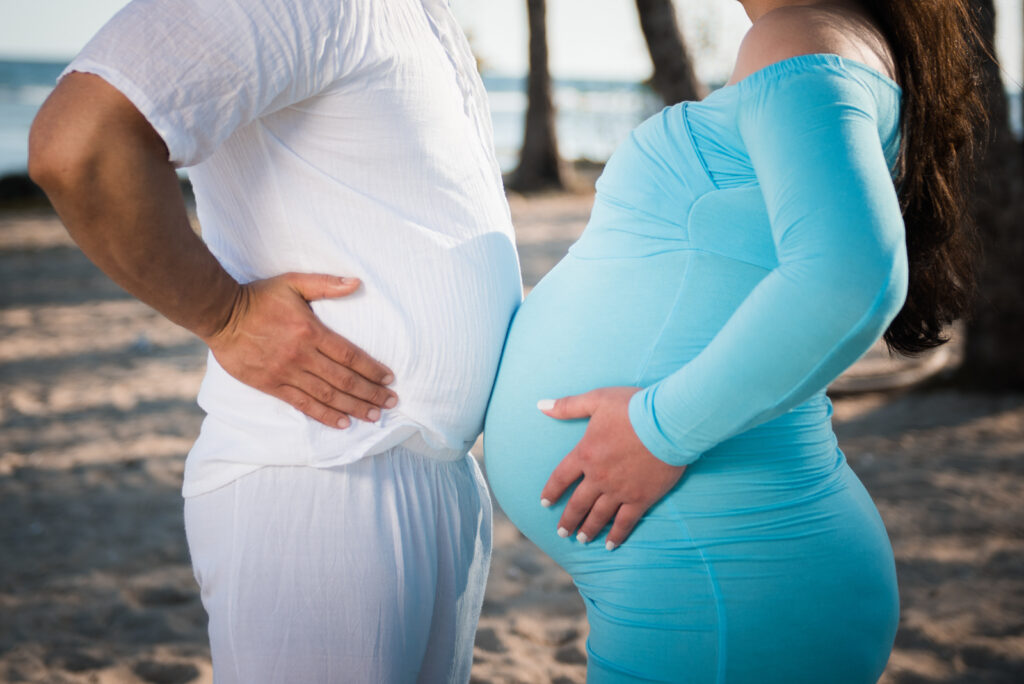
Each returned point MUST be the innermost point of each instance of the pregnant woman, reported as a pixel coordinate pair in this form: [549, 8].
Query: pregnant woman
[742, 252]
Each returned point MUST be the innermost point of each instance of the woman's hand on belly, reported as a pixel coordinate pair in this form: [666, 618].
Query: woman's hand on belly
[621, 479]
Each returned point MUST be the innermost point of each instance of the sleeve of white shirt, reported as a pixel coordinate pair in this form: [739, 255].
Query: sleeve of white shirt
[200, 69]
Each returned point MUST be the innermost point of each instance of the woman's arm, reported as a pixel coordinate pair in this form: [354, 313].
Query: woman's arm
[841, 278]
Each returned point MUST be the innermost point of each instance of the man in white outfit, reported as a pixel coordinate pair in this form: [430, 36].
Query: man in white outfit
[354, 282]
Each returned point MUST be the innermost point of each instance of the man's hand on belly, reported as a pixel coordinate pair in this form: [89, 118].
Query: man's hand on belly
[621, 479]
[108, 173]
[273, 342]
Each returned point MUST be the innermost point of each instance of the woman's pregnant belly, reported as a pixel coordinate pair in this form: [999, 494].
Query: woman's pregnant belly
[594, 323]
[768, 542]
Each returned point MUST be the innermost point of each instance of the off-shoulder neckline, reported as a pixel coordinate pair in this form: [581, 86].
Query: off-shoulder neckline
[792, 64]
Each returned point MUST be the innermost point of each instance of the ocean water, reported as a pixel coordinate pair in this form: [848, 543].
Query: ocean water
[592, 116]
[23, 87]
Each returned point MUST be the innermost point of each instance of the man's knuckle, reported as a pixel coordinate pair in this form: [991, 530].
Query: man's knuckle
[287, 358]
[347, 383]
[305, 331]
[348, 355]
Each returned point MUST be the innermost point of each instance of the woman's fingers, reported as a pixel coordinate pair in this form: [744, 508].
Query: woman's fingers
[626, 519]
[562, 477]
[621, 479]
[577, 508]
[601, 513]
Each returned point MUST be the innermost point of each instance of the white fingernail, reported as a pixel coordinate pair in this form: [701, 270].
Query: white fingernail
[546, 404]
[582, 538]
[343, 422]
[610, 545]
[562, 532]
[545, 503]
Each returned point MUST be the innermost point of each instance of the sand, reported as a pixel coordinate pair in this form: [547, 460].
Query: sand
[97, 412]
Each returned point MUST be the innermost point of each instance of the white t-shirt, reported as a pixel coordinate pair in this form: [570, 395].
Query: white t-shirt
[349, 137]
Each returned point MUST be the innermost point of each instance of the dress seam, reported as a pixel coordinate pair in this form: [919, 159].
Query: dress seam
[719, 605]
[697, 153]
[642, 369]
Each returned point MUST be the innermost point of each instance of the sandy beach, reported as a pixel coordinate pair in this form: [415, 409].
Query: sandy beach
[97, 412]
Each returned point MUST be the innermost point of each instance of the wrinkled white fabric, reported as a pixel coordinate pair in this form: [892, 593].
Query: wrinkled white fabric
[349, 137]
[367, 573]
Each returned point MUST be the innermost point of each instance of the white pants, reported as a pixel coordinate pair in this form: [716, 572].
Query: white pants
[372, 572]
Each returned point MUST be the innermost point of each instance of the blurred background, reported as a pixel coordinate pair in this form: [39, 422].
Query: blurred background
[597, 55]
[97, 392]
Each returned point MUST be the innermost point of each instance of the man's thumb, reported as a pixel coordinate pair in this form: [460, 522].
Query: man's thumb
[313, 286]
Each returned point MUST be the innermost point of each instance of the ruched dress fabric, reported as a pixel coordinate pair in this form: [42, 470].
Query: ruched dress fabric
[742, 252]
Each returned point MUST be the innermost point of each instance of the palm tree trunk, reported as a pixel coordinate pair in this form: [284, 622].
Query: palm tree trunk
[674, 78]
[539, 165]
[994, 351]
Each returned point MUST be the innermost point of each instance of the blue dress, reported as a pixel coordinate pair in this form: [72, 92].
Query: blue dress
[742, 252]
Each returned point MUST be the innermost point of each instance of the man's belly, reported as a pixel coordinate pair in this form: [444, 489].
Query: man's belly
[441, 335]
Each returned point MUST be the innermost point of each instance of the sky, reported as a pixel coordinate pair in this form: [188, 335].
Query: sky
[587, 38]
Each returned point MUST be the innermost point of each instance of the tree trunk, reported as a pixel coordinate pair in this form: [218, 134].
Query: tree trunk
[674, 79]
[539, 165]
[994, 351]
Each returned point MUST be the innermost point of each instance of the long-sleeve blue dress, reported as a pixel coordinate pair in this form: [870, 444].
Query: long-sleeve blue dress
[742, 252]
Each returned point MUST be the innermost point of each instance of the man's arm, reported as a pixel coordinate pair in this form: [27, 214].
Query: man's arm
[106, 171]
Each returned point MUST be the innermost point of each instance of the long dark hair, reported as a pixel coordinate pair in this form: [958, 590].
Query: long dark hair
[937, 50]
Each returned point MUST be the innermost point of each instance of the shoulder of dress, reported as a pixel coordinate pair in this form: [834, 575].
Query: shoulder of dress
[785, 33]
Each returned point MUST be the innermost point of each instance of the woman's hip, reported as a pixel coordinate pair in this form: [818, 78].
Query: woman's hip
[793, 593]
